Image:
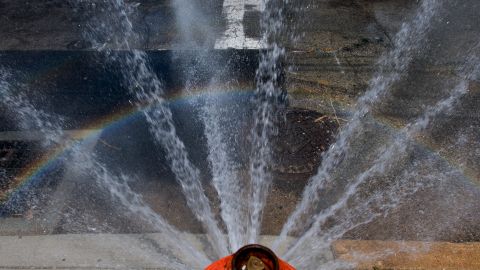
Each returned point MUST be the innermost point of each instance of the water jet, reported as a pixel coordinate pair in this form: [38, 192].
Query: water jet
[334, 133]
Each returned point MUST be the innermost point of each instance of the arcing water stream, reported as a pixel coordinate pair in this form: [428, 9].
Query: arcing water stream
[389, 198]
[270, 97]
[362, 198]
[224, 168]
[392, 65]
[84, 162]
[148, 90]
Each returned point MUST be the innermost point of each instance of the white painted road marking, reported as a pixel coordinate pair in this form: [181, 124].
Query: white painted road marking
[234, 36]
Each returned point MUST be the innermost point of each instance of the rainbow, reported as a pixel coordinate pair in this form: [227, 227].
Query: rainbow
[40, 166]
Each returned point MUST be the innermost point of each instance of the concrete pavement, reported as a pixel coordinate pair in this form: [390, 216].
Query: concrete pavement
[142, 251]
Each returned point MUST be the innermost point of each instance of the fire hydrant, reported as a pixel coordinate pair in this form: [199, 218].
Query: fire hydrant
[251, 257]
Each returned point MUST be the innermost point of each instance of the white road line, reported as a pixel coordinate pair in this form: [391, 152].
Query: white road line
[234, 36]
[258, 5]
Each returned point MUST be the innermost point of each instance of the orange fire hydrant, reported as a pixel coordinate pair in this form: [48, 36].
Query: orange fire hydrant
[251, 257]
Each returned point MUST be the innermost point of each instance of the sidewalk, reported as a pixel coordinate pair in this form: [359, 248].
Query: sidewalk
[141, 251]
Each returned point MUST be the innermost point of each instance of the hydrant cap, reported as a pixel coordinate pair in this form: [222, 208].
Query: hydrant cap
[242, 257]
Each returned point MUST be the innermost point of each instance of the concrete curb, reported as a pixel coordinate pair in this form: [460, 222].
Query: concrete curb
[91, 251]
[406, 255]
